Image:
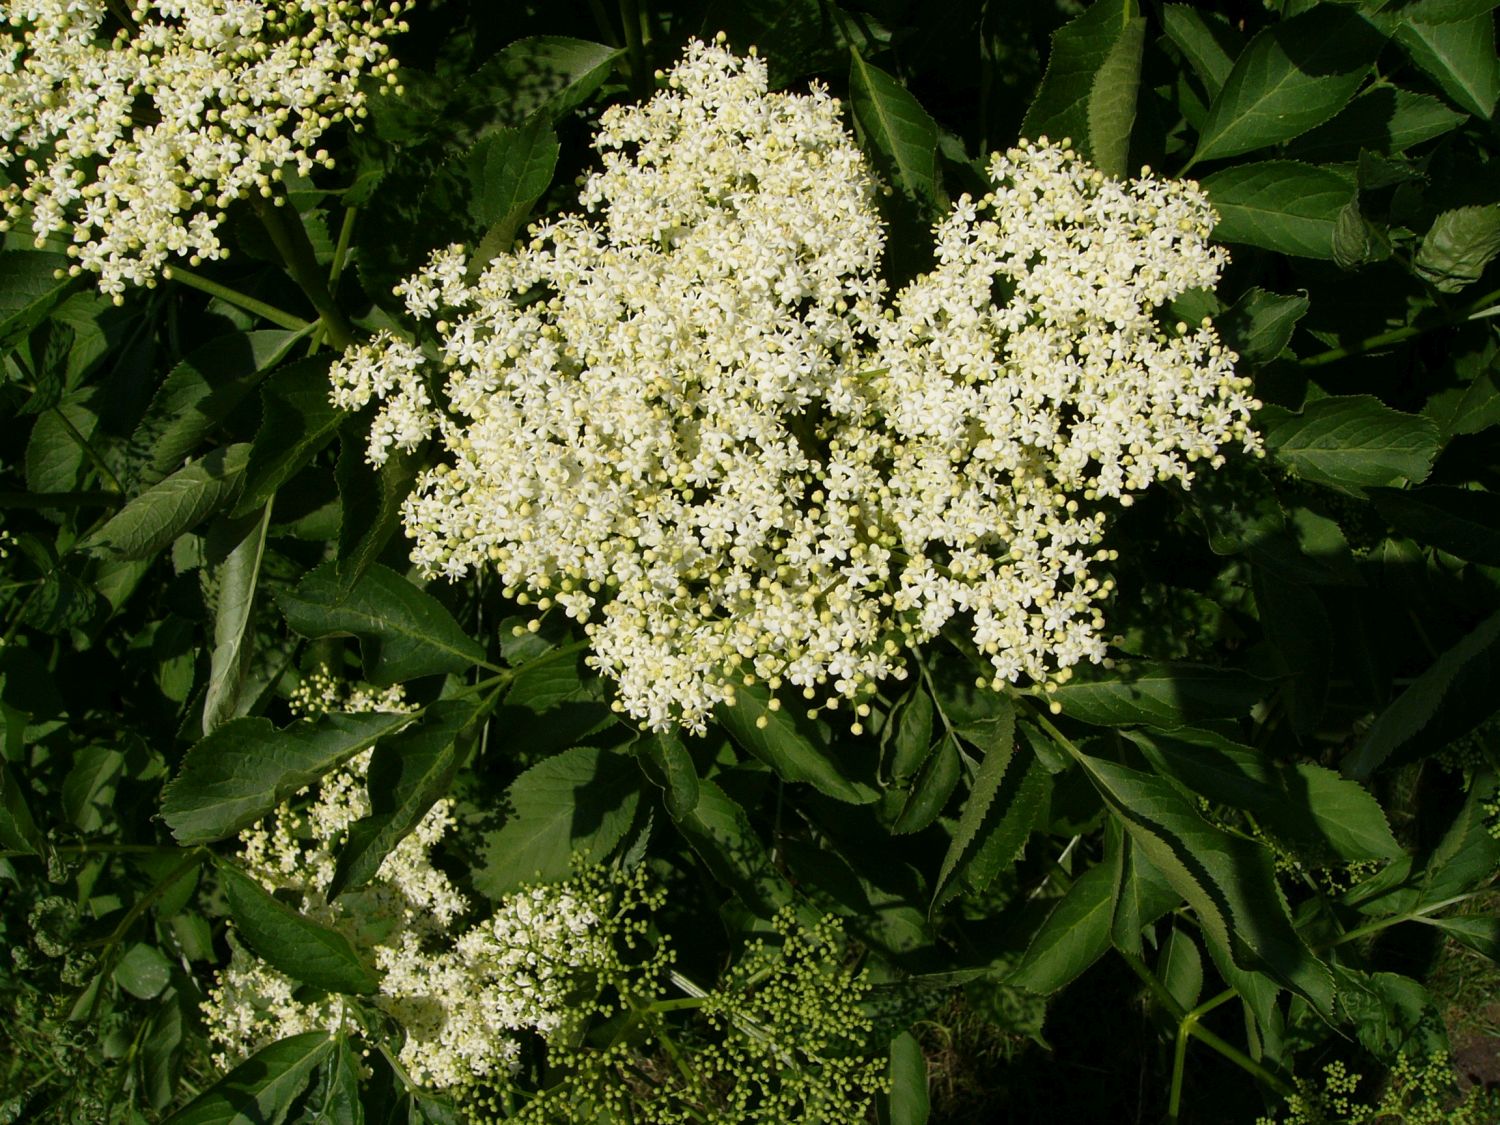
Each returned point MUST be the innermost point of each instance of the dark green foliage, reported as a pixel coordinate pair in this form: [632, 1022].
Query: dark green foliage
[1265, 816]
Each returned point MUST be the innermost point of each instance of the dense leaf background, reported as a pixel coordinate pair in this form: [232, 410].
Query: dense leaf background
[1263, 838]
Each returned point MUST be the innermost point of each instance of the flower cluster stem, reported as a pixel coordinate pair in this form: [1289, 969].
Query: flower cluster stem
[291, 242]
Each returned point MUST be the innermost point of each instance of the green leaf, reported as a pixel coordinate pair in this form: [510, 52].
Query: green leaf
[1163, 695]
[1478, 932]
[1229, 881]
[1293, 76]
[1088, 93]
[297, 420]
[1467, 673]
[1459, 57]
[150, 521]
[544, 75]
[987, 783]
[1279, 205]
[370, 504]
[29, 291]
[1437, 11]
[1354, 441]
[334, 1098]
[18, 831]
[894, 123]
[672, 769]
[235, 581]
[409, 773]
[87, 788]
[907, 1102]
[261, 1089]
[1460, 521]
[1471, 408]
[199, 394]
[910, 734]
[1458, 246]
[1383, 119]
[1298, 628]
[247, 767]
[1310, 810]
[1207, 41]
[1142, 892]
[142, 971]
[720, 832]
[786, 742]
[1075, 935]
[403, 632]
[289, 940]
[1259, 325]
[509, 170]
[1180, 969]
[582, 800]
[934, 785]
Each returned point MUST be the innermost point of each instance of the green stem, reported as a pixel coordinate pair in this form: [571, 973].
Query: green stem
[100, 849]
[235, 297]
[1186, 1028]
[335, 272]
[291, 242]
[1420, 915]
[1191, 1027]
[1471, 311]
[630, 19]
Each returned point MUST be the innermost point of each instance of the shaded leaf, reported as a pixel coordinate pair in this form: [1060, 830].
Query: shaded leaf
[1207, 41]
[247, 767]
[1088, 93]
[1384, 119]
[1164, 695]
[901, 132]
[199, 394]
[1459, 57]
[720, 832]
[934, 785]
[1075, 935]
[785, 742]
[370, 504]
[987, 782]
[142, 971]
[1308, 809]
[409, 773]
[581, 800]
[672, 769]
[907, 1101]
[297, 420]
[1461, 521]
[150, 521]
[289, 940]
[1294, 75]
[1279, 205]
[1353, 442]
[1458, 246]
[1466, 672]
[235, 582]
[262, 1088]
[29, 291]
[1259, 325]
[403, 632]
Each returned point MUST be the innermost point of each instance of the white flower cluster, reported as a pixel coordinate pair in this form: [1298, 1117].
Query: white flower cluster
[690, 419]
[461, 996]
[135, 135]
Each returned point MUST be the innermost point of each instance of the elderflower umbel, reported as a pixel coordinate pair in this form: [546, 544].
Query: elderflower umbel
[689, 420]
[461, 996]
[1025, 385]
[665, 442]
[134, 137]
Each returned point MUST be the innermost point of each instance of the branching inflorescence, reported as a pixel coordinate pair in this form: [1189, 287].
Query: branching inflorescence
[690, 418]
[134, 136]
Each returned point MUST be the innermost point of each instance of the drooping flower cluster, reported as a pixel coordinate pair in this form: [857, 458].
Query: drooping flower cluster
[690, 418]
[462, 996]
[135, 136]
